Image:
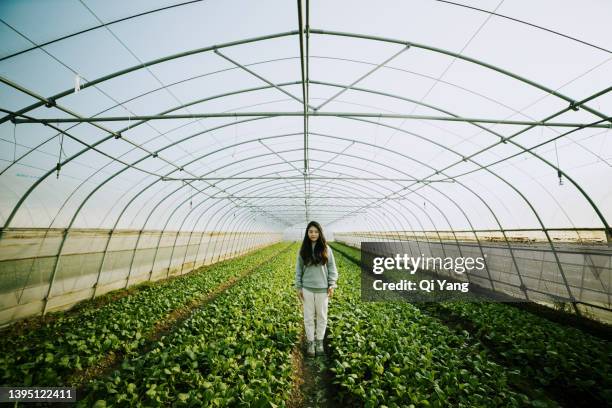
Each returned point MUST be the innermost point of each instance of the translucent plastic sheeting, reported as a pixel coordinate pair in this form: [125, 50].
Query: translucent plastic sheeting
[388, 116]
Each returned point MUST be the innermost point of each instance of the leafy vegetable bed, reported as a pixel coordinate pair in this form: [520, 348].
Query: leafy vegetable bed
[392, 354]
[234, 351]
[49, 355]
[546, 353]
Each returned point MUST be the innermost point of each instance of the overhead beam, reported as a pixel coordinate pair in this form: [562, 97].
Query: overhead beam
[306, 106]
[48, 121]
[256, 75]
[300, 178]
[361, 78]
[302, 197]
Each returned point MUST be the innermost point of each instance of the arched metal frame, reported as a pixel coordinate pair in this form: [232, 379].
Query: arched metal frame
[244, 219]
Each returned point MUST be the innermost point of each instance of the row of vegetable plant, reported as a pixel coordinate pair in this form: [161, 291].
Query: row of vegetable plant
[75, 341]
[572, 364]
[233, 351]
[391, 354]
[563, 358]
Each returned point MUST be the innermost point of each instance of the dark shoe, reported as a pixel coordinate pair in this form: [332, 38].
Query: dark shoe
[319, 347]
[310, 348]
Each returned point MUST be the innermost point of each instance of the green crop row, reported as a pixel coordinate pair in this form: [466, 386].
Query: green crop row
[234, 351]
[391, 354]
[544, 352]
[73, 342]
[547, 352]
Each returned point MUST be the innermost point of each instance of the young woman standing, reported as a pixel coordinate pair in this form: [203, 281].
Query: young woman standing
[315, 280]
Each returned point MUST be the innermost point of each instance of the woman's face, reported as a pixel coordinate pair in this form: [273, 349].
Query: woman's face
[313, 233]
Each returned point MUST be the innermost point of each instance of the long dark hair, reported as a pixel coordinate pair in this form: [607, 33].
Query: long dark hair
[319, 255]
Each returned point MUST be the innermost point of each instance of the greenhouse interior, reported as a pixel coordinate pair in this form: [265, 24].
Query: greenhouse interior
[306, 203]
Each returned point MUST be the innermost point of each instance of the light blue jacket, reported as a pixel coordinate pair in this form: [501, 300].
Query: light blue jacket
[316, 276]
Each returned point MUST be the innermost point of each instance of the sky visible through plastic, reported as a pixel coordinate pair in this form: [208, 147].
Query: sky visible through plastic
[372, 165]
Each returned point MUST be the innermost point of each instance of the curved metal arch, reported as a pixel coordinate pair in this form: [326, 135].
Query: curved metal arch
[67, 160]
[134, 16]
[491, 131]
[234, 231]
[490, 210]
[132, 259]
[188, 163]
[504, 72]
[248, 239]
[553, 248]
[494, 145]
[396, 153]
[285, 151]
[51, 100]
[188, 198]
[238, 237]
[571, 296]
[457, 56]
[120, 20]
[286, 84]
[516, 20]
[518, 271]
[201, 239]
[292, 83]
[141, 230]
[223, 219]
[492, 67]
[141, 122]
[244, 216]
[166, 224]
[580, 189]
[451, 54]
[63, 241]
[377, 219]
[224, 223]
[235, 222]
[503, 159]
[524, 198]
[459, 248]
[75, 115]
[185, 200]
[150, 214]
[156, 247]
[264, 189]
[481, 167]
[259, 189]
[235, 248]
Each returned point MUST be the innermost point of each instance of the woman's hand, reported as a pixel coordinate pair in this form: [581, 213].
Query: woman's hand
[300, 294]
[330, 292]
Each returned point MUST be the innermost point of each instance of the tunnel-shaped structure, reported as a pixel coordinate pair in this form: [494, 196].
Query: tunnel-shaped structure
[143, 141]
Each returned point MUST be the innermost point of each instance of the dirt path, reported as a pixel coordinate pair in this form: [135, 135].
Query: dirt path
[312, 379]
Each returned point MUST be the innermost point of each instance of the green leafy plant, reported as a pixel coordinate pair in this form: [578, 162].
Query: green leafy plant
[50, 354]
[235, 350]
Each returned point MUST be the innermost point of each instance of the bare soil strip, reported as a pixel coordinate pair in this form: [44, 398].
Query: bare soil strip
[312, 380]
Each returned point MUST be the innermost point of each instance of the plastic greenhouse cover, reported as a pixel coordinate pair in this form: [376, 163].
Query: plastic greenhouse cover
[465, 105]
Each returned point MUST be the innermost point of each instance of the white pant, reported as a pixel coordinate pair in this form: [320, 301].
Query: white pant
[315, 304]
